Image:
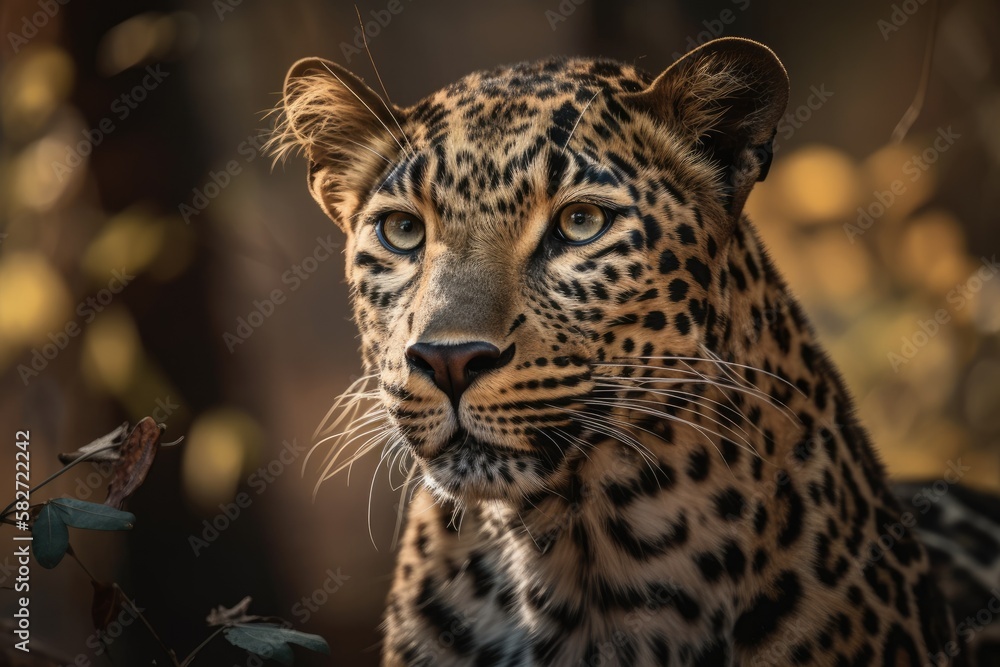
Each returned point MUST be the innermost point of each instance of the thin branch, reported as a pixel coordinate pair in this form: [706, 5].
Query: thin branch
[135, 610]
[59, 472]
[187, 660]
[917, 105]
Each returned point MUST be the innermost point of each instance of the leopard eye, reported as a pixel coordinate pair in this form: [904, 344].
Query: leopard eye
[400, 232]
[580, 222]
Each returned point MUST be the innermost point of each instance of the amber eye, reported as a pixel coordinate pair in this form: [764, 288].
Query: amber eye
[581, 222]
[400, 232]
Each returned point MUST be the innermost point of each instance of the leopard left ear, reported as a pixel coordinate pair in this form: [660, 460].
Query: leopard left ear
[726, 98]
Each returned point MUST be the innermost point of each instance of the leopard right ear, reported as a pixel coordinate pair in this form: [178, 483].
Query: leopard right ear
[724, 99]
[347, 132]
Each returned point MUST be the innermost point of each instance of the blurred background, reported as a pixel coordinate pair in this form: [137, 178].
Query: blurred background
[143, 235]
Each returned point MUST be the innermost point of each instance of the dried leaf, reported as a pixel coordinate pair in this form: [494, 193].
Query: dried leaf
[107, 604]
[136, 457]
[237, 614]
[108, 446]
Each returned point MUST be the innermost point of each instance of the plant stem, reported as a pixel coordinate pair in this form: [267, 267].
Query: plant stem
[135, 610]
[187, 660]
[59, 472]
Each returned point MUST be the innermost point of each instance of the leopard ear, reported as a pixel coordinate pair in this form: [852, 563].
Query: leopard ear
[344, 128]
[726, 98]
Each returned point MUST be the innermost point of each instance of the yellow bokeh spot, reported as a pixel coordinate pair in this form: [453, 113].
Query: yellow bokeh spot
[111, 350]
[130, 241]
[841, 269]
[896, 185]
[36, 185]
[925, 452]
[33, 299]
[219, 446]
[817, 184]
[932, 252]
[33, 87]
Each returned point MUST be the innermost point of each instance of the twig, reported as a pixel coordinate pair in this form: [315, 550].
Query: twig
[917, 105]
[59, 472]
[187, 660]
[135, 610]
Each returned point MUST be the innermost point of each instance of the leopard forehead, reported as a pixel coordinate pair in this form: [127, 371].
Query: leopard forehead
[484, 153]
[490, 109]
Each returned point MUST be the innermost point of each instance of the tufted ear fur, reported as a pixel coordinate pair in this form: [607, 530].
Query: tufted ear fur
[725, 97]
[344, 128]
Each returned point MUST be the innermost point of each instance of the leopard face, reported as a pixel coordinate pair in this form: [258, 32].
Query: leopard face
[528, 240]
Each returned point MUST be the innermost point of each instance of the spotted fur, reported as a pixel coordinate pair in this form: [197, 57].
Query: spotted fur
[661, 466]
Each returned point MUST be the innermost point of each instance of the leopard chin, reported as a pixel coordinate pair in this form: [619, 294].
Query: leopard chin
[468, 469]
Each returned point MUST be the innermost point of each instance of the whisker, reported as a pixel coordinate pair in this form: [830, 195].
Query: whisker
[631, 404]
[371, 492]
[372, 111]
[592, 422]
[579, 118]
[385, 101]
[719, 360]
[756, 393]
[704, 431]
[363, 380]
[342, 445]
[696, 399]
[403, 502]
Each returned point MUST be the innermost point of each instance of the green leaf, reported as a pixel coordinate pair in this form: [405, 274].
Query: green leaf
[50, 537]
[91, 516]
[272, 641]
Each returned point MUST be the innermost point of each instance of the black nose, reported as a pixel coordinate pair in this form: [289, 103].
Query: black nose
[454, 367]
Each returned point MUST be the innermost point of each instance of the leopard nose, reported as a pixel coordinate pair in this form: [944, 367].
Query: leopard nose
[454, 367]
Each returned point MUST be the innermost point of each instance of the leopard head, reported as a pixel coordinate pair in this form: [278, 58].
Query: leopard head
[523, 239]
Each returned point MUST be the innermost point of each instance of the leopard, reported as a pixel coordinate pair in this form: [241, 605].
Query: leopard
[626, 443]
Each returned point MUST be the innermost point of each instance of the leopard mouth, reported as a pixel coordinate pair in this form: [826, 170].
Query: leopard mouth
[468, 468]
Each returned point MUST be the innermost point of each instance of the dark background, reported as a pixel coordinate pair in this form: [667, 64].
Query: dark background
[160, 343]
